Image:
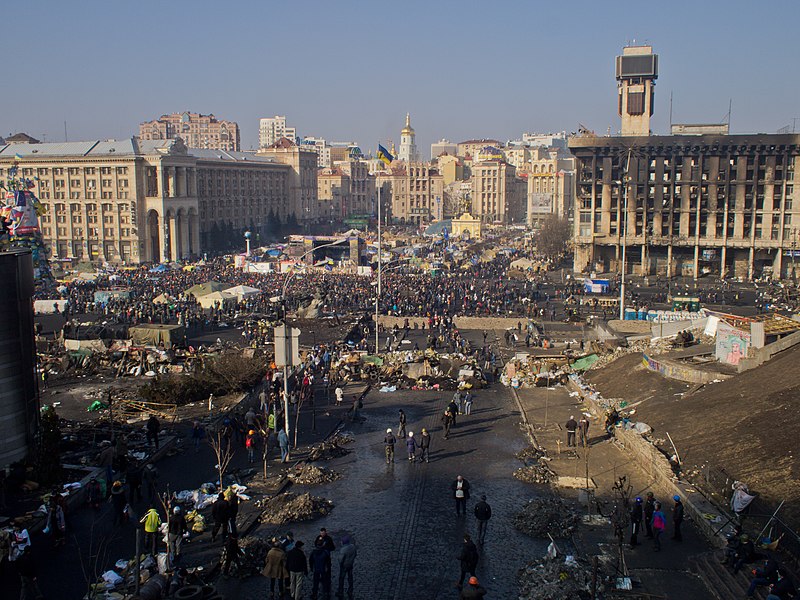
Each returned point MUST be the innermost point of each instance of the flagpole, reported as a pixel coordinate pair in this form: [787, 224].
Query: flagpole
[378, 291]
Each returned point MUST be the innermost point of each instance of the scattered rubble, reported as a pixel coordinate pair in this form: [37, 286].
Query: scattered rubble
[308, 474]
[531, 453]
[539, 473]
[252, 558]
[558, 579]
[330, 448]
[289, 507]
[543, 516]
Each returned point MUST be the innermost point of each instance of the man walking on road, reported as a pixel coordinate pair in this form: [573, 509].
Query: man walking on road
[483, 512]
[320, 561]
[453, 408]
[468, 559]
[347, 558]
[177, 527]
[425, 445]
[677, 518]
[468, 403]
[649, 509]
[388, 443]
[460, 489]
[571, 427]
[283, 442]
[411, 446]
[221, 511]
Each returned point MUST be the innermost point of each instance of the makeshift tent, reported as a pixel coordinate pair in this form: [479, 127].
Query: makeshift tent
[243, 291]
[162, 299]
[523, 264]
[202, 289]
[208, 300]
[153, 334]
[159, 269]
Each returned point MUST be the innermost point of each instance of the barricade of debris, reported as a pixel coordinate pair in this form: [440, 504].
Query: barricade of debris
[252, 557]
[308, 474]
[556, 579]
[536, 469]
[289, 507]
[330, 448]
[543, 516]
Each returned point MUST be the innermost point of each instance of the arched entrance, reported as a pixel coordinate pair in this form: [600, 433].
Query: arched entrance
[153, 237]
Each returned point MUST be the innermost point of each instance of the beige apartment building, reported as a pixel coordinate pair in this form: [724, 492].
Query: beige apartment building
[498, 195]
[196, 131]
[551, 185]
[416, 190]
[132, 201]
[333, 193]
[470, 148]
[302, 177]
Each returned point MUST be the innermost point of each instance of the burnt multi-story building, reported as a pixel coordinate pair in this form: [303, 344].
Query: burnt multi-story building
[686, 205]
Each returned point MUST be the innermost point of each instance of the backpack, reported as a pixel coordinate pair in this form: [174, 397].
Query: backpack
[658, 522]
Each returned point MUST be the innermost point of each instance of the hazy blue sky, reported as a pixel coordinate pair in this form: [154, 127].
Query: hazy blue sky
[351, 70]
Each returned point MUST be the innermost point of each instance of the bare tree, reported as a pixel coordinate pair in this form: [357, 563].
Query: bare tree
[93, 560]
[223, 452]
[552, 238]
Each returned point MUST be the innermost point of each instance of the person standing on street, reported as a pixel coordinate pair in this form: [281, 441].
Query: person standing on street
[339, 393]
[26, 567]
[221, 512]
[388, 444]
[347, 558]
[583, 429]
[649, 502]
[474, 591]
[677, 518]
[283, 442]
[460, 489]
[320, 563]
[457, 401]
[659, 523]
[275, 568]
[151, 522]
[454, 409]
[411, 446]
[571, 427]
[177, 527]
[327, 541]
[483, 512]
[401, 430]
[468, 558]
[447, 422]
[153, 427]
[425, 445]
[468, 398]
[297, 566]
[637, 514]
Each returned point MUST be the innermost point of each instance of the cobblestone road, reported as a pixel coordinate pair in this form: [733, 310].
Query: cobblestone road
[402, 516]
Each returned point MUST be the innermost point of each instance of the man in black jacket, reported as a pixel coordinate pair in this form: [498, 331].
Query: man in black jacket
[297, 565]
[637, 514]
[468, 558]
[677, 518]
[177, 527]
[483, 512]
[649, 509]
[221, 511]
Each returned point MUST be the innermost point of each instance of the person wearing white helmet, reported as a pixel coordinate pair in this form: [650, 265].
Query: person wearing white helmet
[411, 445]
[388, 442]
[175, 532]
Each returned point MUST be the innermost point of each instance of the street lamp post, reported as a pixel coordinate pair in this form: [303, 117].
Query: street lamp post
[247, 236]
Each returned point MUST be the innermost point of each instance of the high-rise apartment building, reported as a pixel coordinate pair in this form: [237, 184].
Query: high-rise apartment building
[683, 204]
[196, 130]
[272, 129]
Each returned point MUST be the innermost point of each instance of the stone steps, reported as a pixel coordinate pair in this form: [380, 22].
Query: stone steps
[720, 580]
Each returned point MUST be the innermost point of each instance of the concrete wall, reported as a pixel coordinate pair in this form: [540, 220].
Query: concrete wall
[758, 356]
[679, 371]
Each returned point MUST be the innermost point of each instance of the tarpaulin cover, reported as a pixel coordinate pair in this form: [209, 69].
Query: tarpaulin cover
[154, 335]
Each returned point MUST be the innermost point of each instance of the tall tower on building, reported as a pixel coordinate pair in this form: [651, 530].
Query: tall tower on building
[637, 71]
[408, 144]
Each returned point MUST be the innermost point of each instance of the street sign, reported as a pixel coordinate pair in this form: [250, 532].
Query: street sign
[287, 346]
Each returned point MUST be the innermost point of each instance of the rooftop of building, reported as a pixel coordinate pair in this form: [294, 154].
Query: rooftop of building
[709, 141]
[127, 147]
[486, 141]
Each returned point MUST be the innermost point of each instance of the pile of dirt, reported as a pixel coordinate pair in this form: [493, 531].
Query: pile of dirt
[538, 473]
[330, 448]
[541, 516]
[289, 507]
[308, 474]
[627, 378]
[555, 580]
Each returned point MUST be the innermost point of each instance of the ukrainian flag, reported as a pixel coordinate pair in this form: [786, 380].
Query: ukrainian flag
[384, 155]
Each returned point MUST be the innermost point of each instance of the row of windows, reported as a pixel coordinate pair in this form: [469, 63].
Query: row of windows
[44, 171]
